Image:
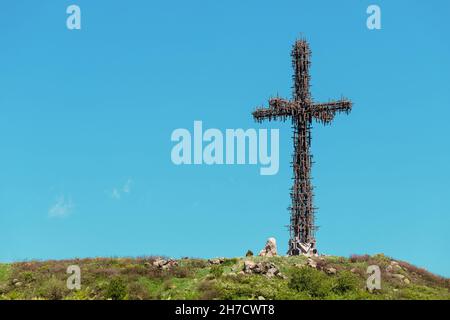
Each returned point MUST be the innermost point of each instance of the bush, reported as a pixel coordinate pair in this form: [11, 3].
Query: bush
[359, 258]
[230, 262]
[345, 282]
[311, 281]
[116, 290]
[249, 253]
[53, 289]
[208, 290]
[138, 291]
[216, 271]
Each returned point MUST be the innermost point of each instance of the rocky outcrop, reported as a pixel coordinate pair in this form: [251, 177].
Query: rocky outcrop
[267, 269]
[164, 264]
[216, 261]
[270, 249]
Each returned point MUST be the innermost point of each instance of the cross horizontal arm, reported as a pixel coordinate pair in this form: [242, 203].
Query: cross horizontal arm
[325, 112]
[278, 108]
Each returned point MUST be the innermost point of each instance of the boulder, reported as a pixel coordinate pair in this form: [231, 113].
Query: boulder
[249, 266]
[165, 264]
[214, 261]
[398, 276]
[272, 272]
[270, 249]
[267, 269]
[311, 263]
[159, 263]
[330, 270]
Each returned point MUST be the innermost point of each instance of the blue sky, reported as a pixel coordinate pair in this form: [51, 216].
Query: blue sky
[86, 118]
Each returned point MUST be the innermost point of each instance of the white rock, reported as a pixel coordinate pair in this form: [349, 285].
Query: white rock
[270, 249]
[330, 270]
[311, 263]
[398, 276]
[249, 266]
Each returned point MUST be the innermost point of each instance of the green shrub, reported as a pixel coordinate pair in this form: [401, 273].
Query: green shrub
[216, 271]
[116, 290]
[138, 291]
[53, 289]
[345, 282]
[311, 281]
[230, 262]
[208, 290]
[249, 253]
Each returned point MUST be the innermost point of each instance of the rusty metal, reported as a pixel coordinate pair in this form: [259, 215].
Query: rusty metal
[302, 110]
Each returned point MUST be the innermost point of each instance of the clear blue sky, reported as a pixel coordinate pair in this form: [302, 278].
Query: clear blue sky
[86, 118]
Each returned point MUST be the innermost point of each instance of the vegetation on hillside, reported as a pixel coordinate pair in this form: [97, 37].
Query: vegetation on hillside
[143, 278]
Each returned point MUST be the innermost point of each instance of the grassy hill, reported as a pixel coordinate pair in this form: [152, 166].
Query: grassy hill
[325, 277]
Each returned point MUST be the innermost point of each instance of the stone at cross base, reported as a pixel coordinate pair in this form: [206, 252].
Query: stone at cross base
[270, 249]
[305, 249]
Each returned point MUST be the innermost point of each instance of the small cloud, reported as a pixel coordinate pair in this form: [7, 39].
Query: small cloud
[62, 208]
[127, 187]
[117, 193]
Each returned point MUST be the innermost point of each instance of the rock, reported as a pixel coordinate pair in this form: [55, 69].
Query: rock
[214, 261]
[261, 298]
[272, 272]
[311, 263]
[15, 281]
[159, 263]
[165, 264]
[282, 276]
[18, 284]
[270, 249]
[398, 276]
[172, 263]
[268, 269]
[330, 270]
[389, 268]
[241, 273]
[353, 270]
[406, 281]
[249, 266]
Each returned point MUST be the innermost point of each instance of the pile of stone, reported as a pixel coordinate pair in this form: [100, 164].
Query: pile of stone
[17, 283]
[267, 269]
[270, 249]
[216, 261]
[393, 268]
[319, 266]
[164, 264]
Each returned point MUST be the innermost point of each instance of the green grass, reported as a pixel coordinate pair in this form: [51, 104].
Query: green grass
[137, 278]
[5, 270]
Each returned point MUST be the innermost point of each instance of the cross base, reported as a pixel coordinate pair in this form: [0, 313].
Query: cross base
[297, 248]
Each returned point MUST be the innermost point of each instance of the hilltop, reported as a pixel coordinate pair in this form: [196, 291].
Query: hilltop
[324, 277]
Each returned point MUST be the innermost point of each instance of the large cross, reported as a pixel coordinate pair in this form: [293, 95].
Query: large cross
[302, 110]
